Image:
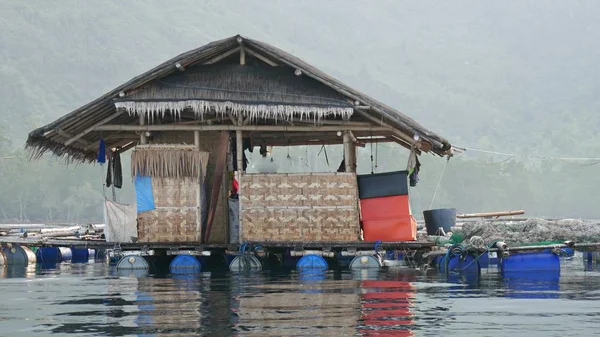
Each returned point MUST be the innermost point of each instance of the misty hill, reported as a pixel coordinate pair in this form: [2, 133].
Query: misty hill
[517, 77]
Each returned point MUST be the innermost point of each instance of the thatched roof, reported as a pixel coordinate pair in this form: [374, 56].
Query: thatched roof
[209, 79]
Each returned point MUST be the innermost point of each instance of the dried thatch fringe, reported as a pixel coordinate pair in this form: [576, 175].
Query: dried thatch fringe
[154, 110]
[168, 161]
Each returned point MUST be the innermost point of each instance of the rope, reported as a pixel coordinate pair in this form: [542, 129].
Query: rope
[438, 184]
[529, 156]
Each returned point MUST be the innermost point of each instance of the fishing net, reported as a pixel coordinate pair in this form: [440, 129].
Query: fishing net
[533, 231]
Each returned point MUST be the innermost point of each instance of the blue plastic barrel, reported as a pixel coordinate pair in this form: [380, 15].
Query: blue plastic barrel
[80, 255]
[48, 255]
[564, 252]
[538, 261]
[532, 284]
[312, 262]
[457, 264]
[365, 262]
[18, 256]
[185, 264]
[488, 259]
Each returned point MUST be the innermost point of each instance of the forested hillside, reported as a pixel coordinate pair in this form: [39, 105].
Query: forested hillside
[519, 77]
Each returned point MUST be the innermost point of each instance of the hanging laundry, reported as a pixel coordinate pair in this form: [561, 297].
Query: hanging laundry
[413, 168]
[114, 176]
[101, 152]
[109, 171]
[117, 170]
[246, 145]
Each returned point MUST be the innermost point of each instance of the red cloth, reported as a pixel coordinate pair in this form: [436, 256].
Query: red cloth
[235, 186]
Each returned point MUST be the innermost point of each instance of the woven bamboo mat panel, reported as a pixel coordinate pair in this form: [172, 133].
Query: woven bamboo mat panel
[170, 192]
[168, 225]
[291, 207]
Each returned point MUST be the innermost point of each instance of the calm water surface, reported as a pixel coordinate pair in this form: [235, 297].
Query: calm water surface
[94, 300]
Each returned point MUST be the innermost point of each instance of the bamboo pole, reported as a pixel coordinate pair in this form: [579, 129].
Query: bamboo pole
[490, 214]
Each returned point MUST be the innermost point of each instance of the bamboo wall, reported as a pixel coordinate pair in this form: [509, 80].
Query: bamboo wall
[299, 207]
[175, 218]
[209, 142]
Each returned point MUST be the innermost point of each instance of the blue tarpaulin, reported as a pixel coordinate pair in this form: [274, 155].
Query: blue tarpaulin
[143, 193]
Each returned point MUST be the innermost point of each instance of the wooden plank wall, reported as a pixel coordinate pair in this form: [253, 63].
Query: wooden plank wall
[209, 141]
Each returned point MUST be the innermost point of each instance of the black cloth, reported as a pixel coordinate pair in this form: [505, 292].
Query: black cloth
[246, 145]
[114, 175]
[342, 167]
[414, 176]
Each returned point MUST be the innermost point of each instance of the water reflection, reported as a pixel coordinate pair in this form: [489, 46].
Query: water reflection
[386, 308]
[306, 304]
[95, 299]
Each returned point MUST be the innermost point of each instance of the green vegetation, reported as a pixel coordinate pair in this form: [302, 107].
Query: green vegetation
[516, 77]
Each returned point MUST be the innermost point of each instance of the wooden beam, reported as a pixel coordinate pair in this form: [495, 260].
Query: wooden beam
[331, 122]
[260, 57]
[280, 143]
[281, 128]
[93, 127]
[67, 135]
[222, 56]
[130, 136]
[242, 54]
[396, 133]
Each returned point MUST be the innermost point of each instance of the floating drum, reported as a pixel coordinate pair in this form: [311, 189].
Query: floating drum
[80, 255]
[539, 261]
[50, 255]
[312, 261]
[65, 254]
[100, 255]
[2, 258]
[365, 262]
[436, 219]
[133, 262]
[92, 254]
[19, 256]
[185, 264]
[245, 262]
[456, 264]
[487, 259]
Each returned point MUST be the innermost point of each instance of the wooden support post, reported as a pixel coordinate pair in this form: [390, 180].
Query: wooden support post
[353, 152]
[239, 145]
[143, 138]
[347, 151]
[200, 185]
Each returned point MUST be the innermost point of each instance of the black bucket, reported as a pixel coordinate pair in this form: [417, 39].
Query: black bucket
[435, 219]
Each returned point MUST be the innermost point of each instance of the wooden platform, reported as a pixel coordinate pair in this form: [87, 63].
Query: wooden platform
[330, 245]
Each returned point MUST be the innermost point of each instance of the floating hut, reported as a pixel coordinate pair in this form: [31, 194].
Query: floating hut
[188, 123]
